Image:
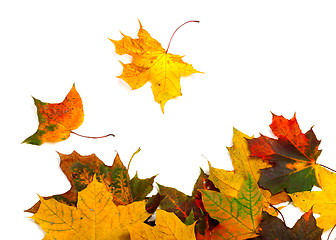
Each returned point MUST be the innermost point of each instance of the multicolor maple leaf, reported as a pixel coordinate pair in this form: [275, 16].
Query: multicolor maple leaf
[293, 157]
[57, 120]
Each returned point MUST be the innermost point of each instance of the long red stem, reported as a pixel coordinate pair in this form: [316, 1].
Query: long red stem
[178, 29]
[93, 137]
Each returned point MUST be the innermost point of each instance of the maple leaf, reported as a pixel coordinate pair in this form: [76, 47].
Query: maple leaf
[167, 226]
[230, 182]
[182, 204]
[189, 208]
[56, 120]
[95, 217]
[305, 228]
[239, 216]
[80, 171]
[152, 63]
[293, 157]
[322, 202]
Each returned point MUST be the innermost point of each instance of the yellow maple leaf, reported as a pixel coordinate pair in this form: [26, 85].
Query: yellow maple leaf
[167, 227]
[230, 182]
[152, 63]
[95, 217]
[322, 202]
[226, 181]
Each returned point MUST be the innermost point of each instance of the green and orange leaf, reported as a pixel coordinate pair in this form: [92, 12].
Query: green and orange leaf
[80, 171]
[57, 120]
[240, 216]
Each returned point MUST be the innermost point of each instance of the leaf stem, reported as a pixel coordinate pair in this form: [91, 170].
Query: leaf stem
[283, 219]
[111, 134]
[129, 163]
[178, 29]
[326, 167]
[331, 232]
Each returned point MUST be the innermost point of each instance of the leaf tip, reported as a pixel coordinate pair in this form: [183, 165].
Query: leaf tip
[140, 23]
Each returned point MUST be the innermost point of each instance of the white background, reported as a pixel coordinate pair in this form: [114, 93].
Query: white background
[258, 57]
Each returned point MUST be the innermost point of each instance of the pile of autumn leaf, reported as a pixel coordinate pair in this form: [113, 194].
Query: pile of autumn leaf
[105, 203]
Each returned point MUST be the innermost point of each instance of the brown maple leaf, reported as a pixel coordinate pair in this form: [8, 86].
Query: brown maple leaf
[305, 228]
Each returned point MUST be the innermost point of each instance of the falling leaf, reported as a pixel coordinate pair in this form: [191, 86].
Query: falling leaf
[80, 171]
[95, 217]
[167, 227]
[322, 202]
[56, 120]
[304, 229]
[293, 157]
[152, 63]
[239, 217]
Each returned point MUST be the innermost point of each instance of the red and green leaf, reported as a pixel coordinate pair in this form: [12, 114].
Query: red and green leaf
[182, 204]
[140, 188]
[292, 155]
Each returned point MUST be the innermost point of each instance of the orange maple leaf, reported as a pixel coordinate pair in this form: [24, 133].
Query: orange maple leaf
[152, 63]
[56, 120]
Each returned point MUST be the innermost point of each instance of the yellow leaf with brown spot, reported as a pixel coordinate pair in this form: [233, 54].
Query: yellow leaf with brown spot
[56, 120]
[95, 217]
[167, 227]
[151, 63]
